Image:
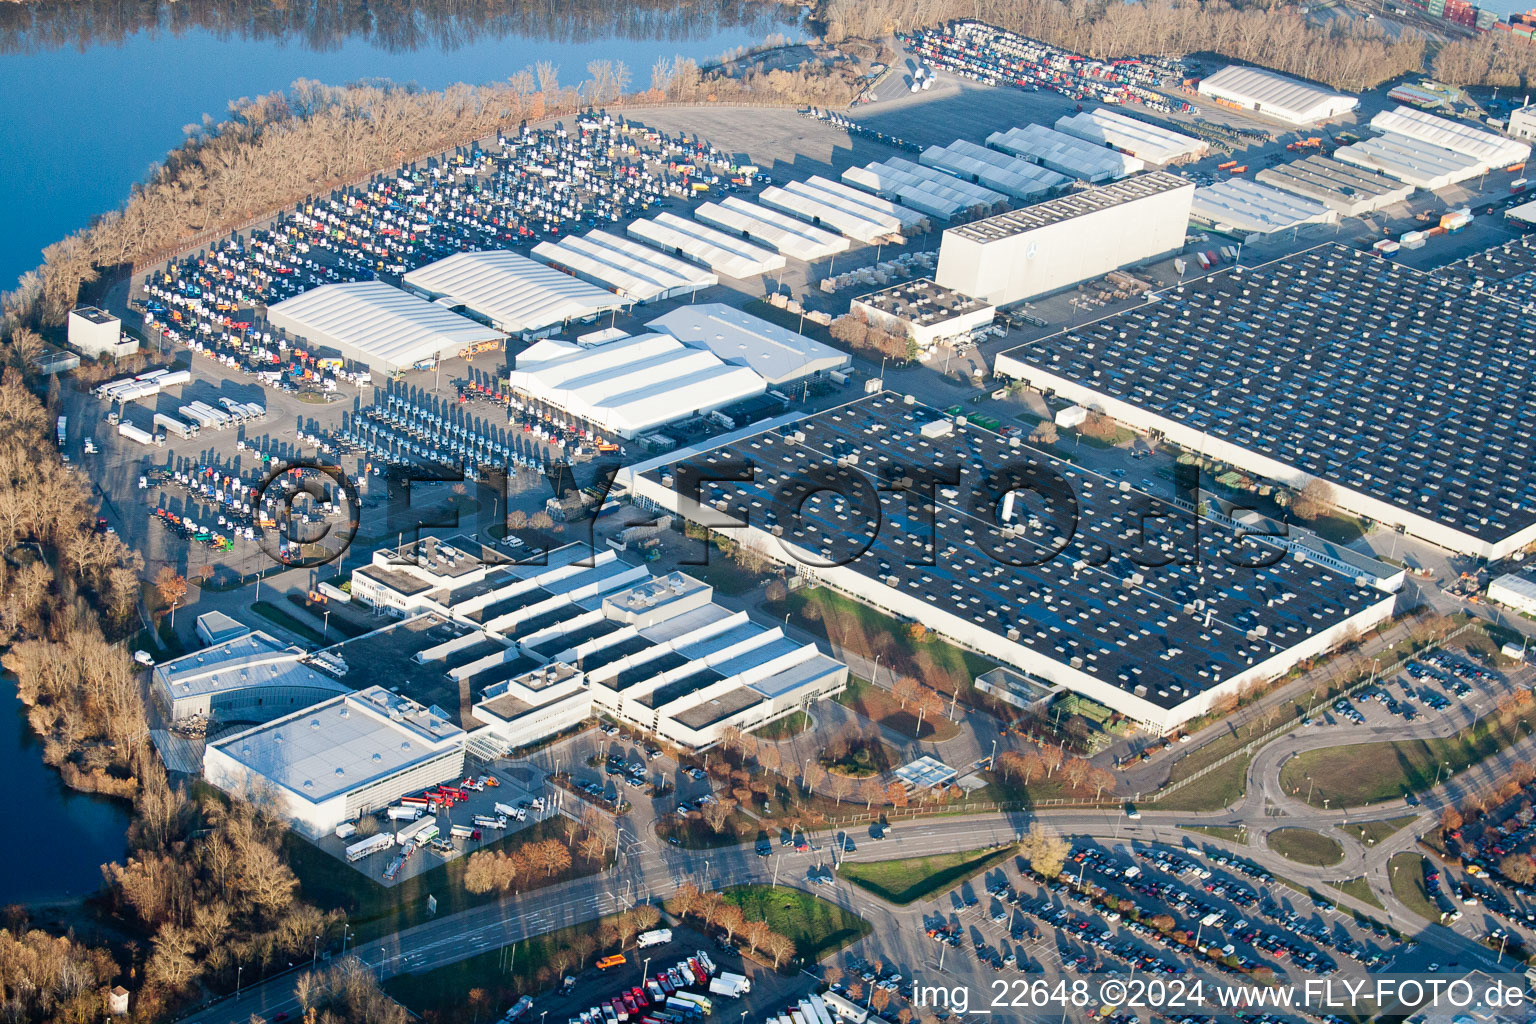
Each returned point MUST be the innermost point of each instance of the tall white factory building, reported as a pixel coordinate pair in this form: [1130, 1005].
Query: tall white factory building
[1055, 244]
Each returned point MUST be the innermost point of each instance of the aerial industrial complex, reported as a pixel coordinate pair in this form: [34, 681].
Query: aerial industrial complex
[1158, 644]
[1321, 355]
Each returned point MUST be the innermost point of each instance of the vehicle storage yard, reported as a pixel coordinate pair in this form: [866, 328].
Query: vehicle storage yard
[660, 290]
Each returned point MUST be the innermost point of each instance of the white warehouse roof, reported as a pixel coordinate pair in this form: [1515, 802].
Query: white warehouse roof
[1152, 143]
[1279, 96]
[1002, 171]
[512, 291]
[1248, 206]
[634, 385]
[1065, 154]
[377, 324]
[635, 271]
[772, 227]
[722, 253]
[858, 199]
[1492, 149]
[774, 353]
[815, 207]
[927, 189]
[1408, 159]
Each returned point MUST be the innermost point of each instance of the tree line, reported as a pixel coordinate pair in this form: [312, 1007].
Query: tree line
[1490, 58]
[1347, 53]
[715, 910]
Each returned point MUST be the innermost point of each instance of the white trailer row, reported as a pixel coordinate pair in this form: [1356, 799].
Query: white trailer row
[786, 234]
[139, 434]
[724, 254]
[244, 412]
[185, 431]
[145, 385]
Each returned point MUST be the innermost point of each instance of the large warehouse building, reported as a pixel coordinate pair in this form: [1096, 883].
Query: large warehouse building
[1065, 154]
[376, 324]
[1350, 191]
[778, 355]
[518, 295]
[1149, 142]
[334, 761]
[1408, 393]
[637, 272]
[1489, 149]
[1250, 208]
[1419, 163]
[1055, 244]
[1003, 172]
[724, 254]
[1275, 95]
[1160, 646]
[833, 211]
[925, 189]
[631, 386]
[789, 235]
[249, 678]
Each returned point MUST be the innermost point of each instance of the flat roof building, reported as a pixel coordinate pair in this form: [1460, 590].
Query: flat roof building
[925, 311]
[1275, 95]
[339, 759]
[250, 677]
[1052, 245]
[1251, 208]
[517, 294]
[1515, 590]
[723, 253]
[1350, 191]
[95, 333]
[1407, 392]
[1152, 143]
[776, 354]
[377, 324]
[1065, 154]
[1057, 588]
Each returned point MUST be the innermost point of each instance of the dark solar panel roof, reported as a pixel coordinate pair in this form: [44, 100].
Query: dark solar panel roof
[613, 652]
[577, 637]
[1076, 587]
[1406, 387]
[681, 686]
[508, 605]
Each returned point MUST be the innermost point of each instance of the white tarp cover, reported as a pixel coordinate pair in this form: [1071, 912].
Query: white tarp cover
[1064, 153]
[818, 208]
[775, 353]
[928, 189]
[513, 291]
[1490, 148]
[377, 323]
[771, 227]
[720, 252]
[629, 268]
[857, 199]
[1149, 142]
[1412, 160]
[633, 385]
[1002, 171]
[1277, 95]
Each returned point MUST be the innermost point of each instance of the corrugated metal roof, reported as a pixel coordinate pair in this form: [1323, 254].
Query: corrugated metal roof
[633, 270]
[772, 227]
[1065, 153]
[1002, 171]
[722, 253]
[934, 192]
[1488, 147]
[1249, 206]
[376, 323]
[774, 353]
[1279, 95]
[512, 290]
[1412, 160]
[1150, 142]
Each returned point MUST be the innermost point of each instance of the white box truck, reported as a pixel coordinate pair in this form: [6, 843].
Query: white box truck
[655, 937]
[406, 813]
[346, 830]
[732, 986]
[366, 847]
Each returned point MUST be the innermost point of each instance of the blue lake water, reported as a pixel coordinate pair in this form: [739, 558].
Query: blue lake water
[80, 125]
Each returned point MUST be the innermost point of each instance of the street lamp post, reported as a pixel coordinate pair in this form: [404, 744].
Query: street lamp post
[239, 969]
